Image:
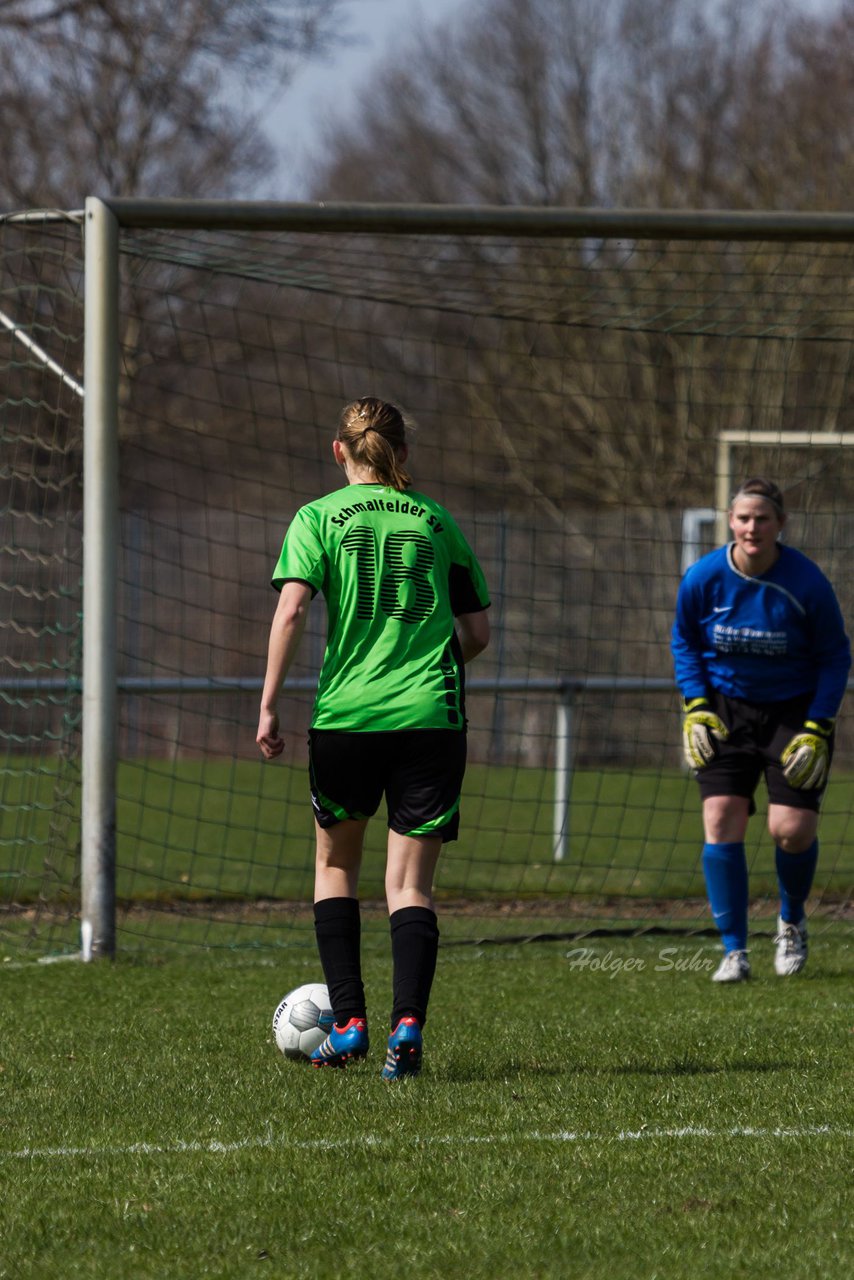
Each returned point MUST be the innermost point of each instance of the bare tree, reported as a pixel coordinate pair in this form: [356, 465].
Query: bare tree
[129, 97]
[794, 130]
[487, 114]
[656, 103]
[125, 97]
[632, 103]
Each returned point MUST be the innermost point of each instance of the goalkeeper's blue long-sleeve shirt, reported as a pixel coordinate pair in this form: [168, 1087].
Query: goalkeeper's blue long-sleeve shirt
[762, 639]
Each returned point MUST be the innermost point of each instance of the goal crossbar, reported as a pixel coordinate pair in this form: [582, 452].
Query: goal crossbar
[483, 220]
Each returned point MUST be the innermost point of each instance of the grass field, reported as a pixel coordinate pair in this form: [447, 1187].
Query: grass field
[586, 1110]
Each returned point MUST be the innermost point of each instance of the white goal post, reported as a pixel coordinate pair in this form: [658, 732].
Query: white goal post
[100, 573]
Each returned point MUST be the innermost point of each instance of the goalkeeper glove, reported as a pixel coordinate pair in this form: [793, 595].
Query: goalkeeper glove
[806, 758]
[701, 732]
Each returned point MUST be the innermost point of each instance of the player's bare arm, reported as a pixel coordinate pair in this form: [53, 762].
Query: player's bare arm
[285, 634]
[473, 633]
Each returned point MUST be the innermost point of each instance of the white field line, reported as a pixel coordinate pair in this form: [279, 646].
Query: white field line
[271, 1142]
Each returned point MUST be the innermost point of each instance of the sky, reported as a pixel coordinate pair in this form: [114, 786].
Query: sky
[323, 88]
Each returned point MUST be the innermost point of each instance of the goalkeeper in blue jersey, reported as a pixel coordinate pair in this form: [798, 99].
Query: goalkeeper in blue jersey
[762, 662]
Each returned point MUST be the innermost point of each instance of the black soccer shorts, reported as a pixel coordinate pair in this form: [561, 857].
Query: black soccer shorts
[420, 772]
[758, 734]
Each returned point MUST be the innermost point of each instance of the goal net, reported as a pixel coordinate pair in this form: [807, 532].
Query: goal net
[570, 393]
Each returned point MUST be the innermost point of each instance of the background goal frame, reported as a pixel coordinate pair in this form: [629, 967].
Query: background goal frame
[795, 439]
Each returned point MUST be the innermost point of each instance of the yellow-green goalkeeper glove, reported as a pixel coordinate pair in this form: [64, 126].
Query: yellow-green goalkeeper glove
[701, 732]
[806, 758]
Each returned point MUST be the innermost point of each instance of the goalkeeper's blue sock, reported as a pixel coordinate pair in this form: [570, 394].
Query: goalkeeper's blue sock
[795, 873]
[725, 869]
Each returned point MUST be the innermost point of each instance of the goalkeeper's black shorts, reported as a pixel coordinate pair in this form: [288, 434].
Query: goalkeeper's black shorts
[420, 772]
[758, 734]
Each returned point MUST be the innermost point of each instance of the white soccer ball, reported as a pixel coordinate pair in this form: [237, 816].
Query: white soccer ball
[303, 1020]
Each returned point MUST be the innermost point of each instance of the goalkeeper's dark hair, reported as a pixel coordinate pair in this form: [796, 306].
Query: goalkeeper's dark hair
[374, 433]
[760, 487]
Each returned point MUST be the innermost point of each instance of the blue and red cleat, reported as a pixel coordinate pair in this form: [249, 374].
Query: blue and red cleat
[342, 1045]
[404, 1050]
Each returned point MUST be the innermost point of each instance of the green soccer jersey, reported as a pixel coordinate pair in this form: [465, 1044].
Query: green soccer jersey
[394, 569]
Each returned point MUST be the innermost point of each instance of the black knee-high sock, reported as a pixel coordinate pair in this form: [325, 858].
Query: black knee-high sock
[414, 947]
[337, 927]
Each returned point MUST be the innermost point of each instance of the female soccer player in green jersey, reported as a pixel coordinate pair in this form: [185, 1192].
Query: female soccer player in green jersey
[406, 602]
